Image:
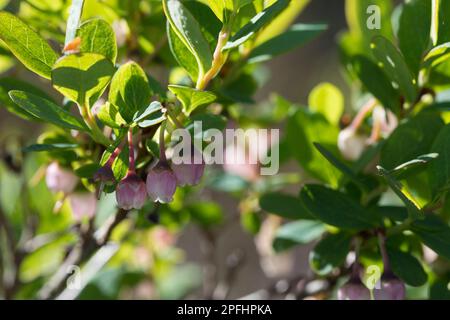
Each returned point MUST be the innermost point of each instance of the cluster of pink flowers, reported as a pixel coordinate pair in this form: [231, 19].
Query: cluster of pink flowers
[161, 183]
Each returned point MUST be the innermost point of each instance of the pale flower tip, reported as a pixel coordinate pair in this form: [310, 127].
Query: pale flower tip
[131, 193]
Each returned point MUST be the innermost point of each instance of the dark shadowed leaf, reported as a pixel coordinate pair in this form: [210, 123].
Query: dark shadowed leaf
[298, 232]
[406, 267]
[292, 38]
[392, 62]
[330, 253]
[434, 233]
[413, 33]
[336, 209]
[403, 193]
[284, 205]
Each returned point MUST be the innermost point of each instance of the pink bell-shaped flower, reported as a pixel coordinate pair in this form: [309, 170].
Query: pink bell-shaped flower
[391, 289]
[131, 192]
[59, 179]
[189, 174]
[161, 183]
[353, 290]
[83, 204]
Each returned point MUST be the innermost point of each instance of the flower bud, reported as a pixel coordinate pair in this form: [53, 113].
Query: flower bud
[59, 179]
[391, 289]
[131, 193]
[83, 205]
[351, 144]
[189, 173]
[353, 290]
[161, 183]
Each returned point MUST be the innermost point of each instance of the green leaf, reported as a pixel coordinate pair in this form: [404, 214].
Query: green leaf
[224, 8]
[298, 232]
[97, 36]
[342, 167]
[328, 100]
[130, 91]
[414, 166]
[46, 110]
[281, 23]
[33, 51]
[434, 233]
[294, 37]
[406, 267]
[439, 169]
[437, 55]
[376, 82]
[414, 32]
[80, 77]
[210, 25]
[87, 171]
[154, 119]
[182, 54]
[256, 24]
[251, 222]
[192, 98]
[284, 205]
[336, 209]
[304, 128]
[154, 107]
[189, 32]
[443, 22]
[110, 116]
[7, 84]
[49, 147]
[330, 253]
[399, 214]
[392, 62]
[206, 214]
[403, 193]
[410, 140]
[358, 18]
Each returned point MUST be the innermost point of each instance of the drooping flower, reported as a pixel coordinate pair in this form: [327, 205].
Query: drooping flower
[189, 174]
[353, 290]
[392, 288]
[131, 192]
[161, 183]
[83, 204]
[351, 144]
[59, 179]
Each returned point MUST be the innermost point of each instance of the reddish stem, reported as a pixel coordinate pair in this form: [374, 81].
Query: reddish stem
[366, 109]
[162, 148]
[115, 154]
[131, 168]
